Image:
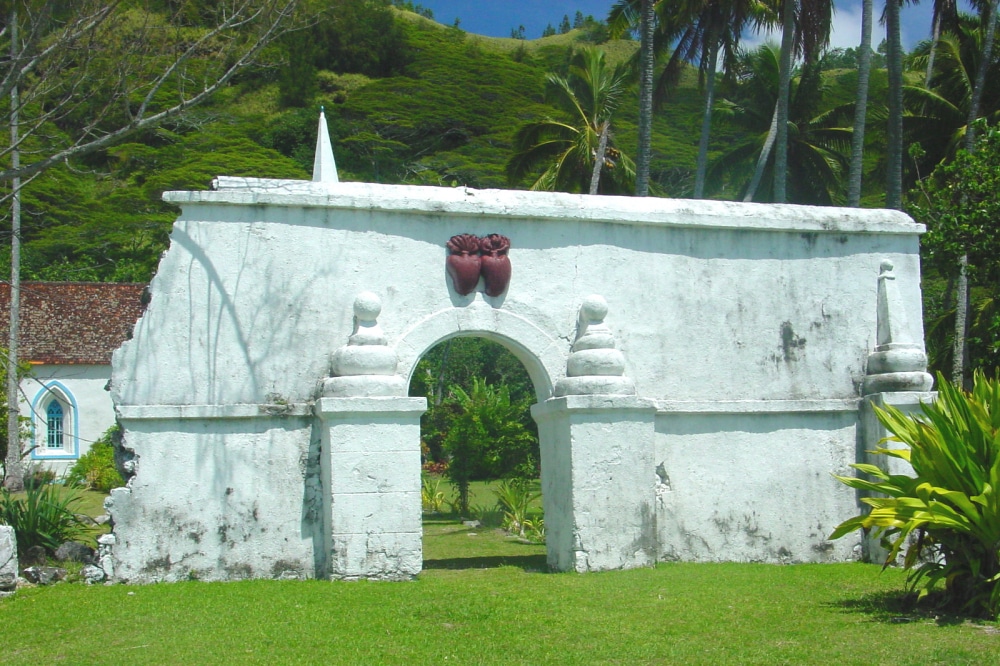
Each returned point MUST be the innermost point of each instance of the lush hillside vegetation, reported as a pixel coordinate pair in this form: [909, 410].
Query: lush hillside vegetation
[412, 101]
[408, 101]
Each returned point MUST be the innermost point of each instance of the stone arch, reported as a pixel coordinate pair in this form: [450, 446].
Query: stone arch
[543, 355]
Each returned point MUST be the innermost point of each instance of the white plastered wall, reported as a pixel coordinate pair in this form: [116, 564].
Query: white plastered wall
[749, 325]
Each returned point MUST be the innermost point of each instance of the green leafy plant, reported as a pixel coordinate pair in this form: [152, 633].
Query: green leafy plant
[42, 516]
[487, 515]
[951, 506]
[514, 497]
[534, 529]
[96, 468]
[489, 434]
[431, 495]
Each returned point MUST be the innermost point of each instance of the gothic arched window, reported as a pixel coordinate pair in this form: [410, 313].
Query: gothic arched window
[54, 425]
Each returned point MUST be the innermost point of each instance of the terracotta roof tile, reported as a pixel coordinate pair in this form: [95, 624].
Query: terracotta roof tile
[70, 323]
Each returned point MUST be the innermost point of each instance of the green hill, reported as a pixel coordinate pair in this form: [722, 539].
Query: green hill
[407, 99]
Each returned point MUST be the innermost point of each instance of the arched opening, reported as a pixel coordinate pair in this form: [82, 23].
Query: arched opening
[480, 452]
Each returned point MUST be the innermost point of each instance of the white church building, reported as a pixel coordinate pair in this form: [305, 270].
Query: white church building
[68, 332]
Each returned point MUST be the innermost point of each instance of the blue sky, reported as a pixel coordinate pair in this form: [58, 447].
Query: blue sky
[496, 18]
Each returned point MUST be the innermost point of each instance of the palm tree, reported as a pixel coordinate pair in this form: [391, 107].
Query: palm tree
[963, 87]
[860, 107]
[894, 130]
[694, 31]
[716, 25]
[568, 150]
[988, 19]
[938, 115]
[805, 30]
[647, 63]
[816, 151]
[944, 19]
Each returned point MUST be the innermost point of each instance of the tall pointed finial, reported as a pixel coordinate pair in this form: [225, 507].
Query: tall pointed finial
[324, 167]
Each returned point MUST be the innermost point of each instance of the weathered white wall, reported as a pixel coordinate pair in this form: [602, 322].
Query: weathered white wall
[219, 495]
[94, 411]
[748, 324]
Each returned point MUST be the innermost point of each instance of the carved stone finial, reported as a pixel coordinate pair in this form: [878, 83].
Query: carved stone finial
[898, 363]
[366, 365]
[324, 166]
[594, 365]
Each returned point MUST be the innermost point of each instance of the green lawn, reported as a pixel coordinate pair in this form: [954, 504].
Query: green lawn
[675, 613]
[484, 598]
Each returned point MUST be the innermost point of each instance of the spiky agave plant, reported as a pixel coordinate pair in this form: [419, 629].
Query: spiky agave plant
[951, 503]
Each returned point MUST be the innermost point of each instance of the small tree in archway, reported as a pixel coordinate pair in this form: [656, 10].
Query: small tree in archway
[488, 439]
[458, 362]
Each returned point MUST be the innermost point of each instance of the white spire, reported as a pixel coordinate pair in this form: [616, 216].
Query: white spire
[324, 167]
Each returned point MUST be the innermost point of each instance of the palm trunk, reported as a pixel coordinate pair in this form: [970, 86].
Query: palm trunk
[13, 471]
[784, 86]
[961, 316]
[962, 298]
[765, 153]
[990, 23]
[894, 133]
[935, 36]
[706, 121]
[860, 107]
[645, 150]
[602, 147]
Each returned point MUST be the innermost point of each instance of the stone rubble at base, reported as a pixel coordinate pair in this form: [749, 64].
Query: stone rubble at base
[8, 560]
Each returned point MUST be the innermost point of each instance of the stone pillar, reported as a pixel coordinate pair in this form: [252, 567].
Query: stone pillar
[896, 376]
[598, 474]
[598, 481]
[8, 560]
[371, 457]
[371, 466]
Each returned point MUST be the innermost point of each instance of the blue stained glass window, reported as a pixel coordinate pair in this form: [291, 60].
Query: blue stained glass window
[54, 423]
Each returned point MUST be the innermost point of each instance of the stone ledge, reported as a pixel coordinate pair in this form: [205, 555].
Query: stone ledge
[370, 405]
[635, 211]
[593, 403]
[238, 411]
[756, 406]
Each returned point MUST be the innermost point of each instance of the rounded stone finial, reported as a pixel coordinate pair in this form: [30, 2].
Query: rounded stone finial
[367, 306]
[594, 365]
[366, 365]
[594, 308]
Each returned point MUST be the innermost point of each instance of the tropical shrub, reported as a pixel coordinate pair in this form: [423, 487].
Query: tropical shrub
[515, 497]
[488, 438]
[96, 468]
[951, 505]
[431, 495]
[41, 516]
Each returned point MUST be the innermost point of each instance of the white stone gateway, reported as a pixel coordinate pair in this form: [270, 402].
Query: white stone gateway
[700, 369]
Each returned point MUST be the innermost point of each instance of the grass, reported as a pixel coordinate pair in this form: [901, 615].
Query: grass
[484, 599]
[676, 613]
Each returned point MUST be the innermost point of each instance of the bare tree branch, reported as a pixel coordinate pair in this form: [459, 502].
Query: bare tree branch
[90, 80]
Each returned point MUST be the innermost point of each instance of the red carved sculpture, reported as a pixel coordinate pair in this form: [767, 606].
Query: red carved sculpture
[464, 262]
[495, 262]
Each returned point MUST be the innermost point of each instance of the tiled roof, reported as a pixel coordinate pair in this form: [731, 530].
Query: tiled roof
[78, 323]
